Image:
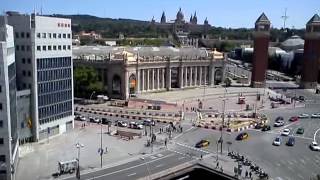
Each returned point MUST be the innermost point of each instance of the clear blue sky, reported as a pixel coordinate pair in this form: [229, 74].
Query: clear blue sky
[224, 13]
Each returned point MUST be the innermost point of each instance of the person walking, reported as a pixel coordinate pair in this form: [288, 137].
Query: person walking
[250, 174]
[246, 174]
[217, 165]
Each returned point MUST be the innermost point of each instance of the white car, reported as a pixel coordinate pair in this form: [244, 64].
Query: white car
[277, 141]
[285, 132]
[314, 146]
[303, 115]
[278, 123]
[315, 115]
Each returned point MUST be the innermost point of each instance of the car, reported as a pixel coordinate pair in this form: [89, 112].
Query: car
[280, 118]
[294, 118]
[106, 121]
[202, 143]
[290, 141]
[135, 125]
[277, 141]
[242, 136]
[300, 131]
[94, 120]
[121, 124]
[148, 122]
[303, 115]
[285, 132]
[302, 98]
[258, 126]
[278, 123]
[315, 115]
[314, 146]
[266, 128]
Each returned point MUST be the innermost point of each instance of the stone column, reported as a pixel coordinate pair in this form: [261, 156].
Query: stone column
[138, 81]
[191, 76]
[200, 75]
[181, 77]
[158, 78]
[126, 85]
[196, 75]
[168, 79]
[205, 75]
[185, 76]
[162, 78]
[148, 80]
[153, 74]
[142, 79]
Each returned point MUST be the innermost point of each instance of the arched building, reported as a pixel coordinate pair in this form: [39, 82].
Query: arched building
[127, 71]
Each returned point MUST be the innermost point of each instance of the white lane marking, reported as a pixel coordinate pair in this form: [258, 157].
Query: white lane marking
[294, 161]
[159, 165]
[153, 157]
[132, 174]
[193, 148]
[290, 168]
[278, 164]
[315, 134]
[290, 162]
[181, 158]
[159, 155]
[125, 169]
[302, 161]
[184, 132]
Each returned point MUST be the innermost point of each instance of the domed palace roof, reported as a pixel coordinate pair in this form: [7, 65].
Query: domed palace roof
[180, 15]
[293, 43]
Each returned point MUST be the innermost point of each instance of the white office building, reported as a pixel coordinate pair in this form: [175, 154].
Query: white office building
[9, 139]
[43, 47]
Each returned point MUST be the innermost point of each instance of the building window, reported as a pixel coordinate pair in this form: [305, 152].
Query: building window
[24, 73]
[22, 34]
[17, 35]
[22, 125]
[1, 123]
[23, 60]
[69, 36]
[29, 86]
[44, 48]
[49, 48]
[28, 35]
[29, 61]
[0, 106]
[28, 48]
[38, 35]
[44, 35]
[64, 47]
[24, 85]
[69, 47]
[49, 34]
[2, 158]
[29, 73]
[38, 48]
[59, 47]
[54, 35]
[54, 47]
[3, 171]
[64, 36]
[59, 35]
[22, 47]
[1, 140]
[17, 48]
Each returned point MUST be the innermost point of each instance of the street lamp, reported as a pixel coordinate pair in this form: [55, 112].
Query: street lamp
[78, 146]
[223, 115]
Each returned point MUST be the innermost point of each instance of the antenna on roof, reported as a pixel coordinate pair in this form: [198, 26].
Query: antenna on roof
[285, 17]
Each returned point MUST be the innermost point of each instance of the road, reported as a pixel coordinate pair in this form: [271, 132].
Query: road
[138, 168]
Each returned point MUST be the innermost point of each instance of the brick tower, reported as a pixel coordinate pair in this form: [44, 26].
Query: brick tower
[260, 54]
[311, 55]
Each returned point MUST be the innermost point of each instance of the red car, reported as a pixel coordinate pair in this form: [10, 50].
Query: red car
[294, 118]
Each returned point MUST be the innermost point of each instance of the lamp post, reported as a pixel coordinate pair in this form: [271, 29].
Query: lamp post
[78, 146]
[223, 115]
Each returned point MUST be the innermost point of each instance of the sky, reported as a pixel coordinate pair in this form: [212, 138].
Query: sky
[222, 13]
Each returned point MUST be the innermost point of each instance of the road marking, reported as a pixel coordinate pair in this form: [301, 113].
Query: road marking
[181, 158]
[294, 161]
[132, 174]
[303, 162]
[159, 155]
[290, 168]
[278, 164]
[125, 169]
[300, 176]
[153, 157]
[159, 165]
[315, 134]
[187, 146]
[290, 162]
[278, 133]
[184, 132]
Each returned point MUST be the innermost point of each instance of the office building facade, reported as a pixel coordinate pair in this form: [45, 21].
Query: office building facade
[8, 120]
[43, 47]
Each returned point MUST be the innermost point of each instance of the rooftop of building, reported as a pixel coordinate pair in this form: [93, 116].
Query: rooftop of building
[151, 52]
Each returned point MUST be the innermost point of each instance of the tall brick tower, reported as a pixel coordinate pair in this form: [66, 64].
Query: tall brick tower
[260, 54]
[311, 55]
